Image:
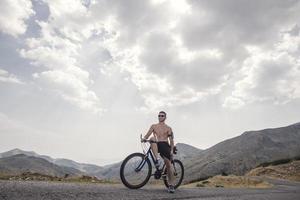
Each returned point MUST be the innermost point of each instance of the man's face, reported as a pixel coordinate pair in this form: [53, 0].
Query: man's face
[161, 117]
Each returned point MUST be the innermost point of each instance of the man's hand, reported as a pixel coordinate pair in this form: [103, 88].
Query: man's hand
[174, 150]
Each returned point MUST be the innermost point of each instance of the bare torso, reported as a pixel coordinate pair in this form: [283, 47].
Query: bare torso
[161, 131]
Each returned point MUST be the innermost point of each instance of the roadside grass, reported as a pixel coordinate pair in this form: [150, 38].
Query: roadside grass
[231, 181]
[288, 171]
[31, 176]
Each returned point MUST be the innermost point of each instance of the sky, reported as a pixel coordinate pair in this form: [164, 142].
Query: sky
[82, 79]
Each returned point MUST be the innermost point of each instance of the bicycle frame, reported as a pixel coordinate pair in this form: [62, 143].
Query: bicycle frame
[141, 165]
[139, 160]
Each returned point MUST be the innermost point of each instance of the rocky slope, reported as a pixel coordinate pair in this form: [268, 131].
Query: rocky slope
[186, 151]
[240, 154]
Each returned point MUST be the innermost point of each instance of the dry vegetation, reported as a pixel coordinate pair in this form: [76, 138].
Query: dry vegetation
[289, 171]
[29, 176]
[281, 169]
[231, 181]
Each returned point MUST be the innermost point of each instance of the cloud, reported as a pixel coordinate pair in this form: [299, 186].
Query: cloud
[231, 27]
[175, 53]
[9, 78]
[70, 88]
[56, 53]
[136, 49]
[235, 23]
[202, 70]
[168, 52]
[272, 76]
[13, 15]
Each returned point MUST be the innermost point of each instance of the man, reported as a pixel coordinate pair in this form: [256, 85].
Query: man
[163, 134]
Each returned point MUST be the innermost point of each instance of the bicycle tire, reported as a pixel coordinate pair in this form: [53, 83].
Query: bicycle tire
[125, 179]
[181, 174]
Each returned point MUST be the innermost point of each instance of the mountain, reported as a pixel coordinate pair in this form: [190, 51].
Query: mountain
[186, 151]
[110, 172]
[28, 153]
[20, 163]
[240, 154]
[86, 168]
[235, 156]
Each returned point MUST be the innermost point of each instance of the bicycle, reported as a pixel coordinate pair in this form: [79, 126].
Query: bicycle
[136, 169]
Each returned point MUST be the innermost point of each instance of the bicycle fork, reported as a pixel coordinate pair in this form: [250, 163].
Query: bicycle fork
[141, 165]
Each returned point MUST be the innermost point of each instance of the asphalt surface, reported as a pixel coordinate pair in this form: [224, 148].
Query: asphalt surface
[38, 190]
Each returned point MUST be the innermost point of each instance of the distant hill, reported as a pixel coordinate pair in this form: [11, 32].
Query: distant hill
[21, 163]
[240, 154]
[28, 153]
[236, 156]
[86, 168]
[110, 172]
[186, 151]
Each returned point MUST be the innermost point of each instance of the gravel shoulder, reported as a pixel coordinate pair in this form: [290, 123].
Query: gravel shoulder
[11, 190]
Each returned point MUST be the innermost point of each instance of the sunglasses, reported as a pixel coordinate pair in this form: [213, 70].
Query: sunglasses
[161, 116]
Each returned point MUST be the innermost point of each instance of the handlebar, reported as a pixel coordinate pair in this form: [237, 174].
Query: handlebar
[144, 140]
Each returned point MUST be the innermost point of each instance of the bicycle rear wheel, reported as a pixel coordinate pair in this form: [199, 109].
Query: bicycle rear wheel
[135, 171]
[178, 172]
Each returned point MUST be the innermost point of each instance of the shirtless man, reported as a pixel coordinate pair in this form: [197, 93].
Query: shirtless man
[162, 134]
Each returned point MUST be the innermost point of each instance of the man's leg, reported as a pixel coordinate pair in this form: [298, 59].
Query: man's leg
[154, 148]
[169, 171]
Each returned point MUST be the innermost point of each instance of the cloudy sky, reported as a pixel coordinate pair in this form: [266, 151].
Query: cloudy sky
[82, 79]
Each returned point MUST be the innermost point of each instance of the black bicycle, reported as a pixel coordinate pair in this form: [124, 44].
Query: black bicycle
[136, 169]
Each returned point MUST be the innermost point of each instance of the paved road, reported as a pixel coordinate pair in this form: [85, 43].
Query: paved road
[35, 190]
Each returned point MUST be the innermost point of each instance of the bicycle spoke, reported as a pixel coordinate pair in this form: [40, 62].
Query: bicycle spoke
[178, 174]
[135, 171]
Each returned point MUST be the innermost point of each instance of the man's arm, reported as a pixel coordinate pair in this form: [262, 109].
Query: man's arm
[171, 139]
[149, 132]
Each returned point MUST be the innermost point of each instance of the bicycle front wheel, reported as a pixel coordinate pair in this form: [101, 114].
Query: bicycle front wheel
[135, 171]
[178, 173]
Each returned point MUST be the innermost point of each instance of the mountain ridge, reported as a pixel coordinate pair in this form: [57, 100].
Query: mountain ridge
[83, 167]
[235, 155]
[241, 153]
[20, 163]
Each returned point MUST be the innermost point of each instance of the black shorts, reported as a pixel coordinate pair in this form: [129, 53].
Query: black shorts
[164, 149]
